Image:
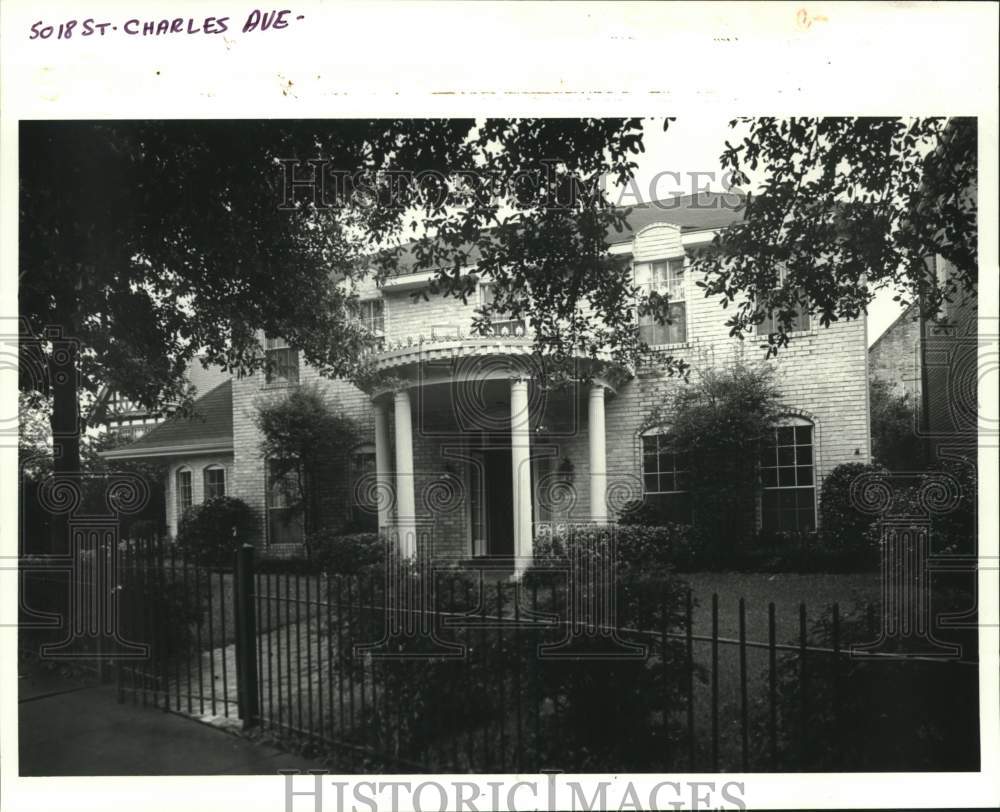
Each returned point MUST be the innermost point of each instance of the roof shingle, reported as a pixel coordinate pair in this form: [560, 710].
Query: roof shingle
[209, 424]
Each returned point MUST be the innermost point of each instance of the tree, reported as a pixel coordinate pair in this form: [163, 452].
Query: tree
[303, 436]
[895, 442]
[717, 423]
[145, 243]
[846, 207]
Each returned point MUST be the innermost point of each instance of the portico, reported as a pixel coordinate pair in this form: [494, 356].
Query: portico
[469, 446]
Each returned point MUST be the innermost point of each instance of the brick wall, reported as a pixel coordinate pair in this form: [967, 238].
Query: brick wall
[249, 471]
[823, 376]
[895, 356]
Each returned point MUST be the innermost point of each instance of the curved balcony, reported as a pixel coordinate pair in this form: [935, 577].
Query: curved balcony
[422, 359]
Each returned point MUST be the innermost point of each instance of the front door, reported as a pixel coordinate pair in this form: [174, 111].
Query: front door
[492, 502]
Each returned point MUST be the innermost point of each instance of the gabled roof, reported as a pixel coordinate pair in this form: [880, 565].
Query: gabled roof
[208, 427]
[697, 212]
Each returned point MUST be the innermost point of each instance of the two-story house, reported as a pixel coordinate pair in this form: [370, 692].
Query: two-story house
[465, 453]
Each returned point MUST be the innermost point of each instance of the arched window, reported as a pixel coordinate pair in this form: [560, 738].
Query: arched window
[185, 496]
[285, 511]
[787, 473]
[364, 509]
[664, 477]
[215, 481]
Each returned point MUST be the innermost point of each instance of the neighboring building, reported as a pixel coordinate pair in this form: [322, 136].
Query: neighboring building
[130, 421]
[949, 369]
[479, 458]
[935, 362]
[895, 355]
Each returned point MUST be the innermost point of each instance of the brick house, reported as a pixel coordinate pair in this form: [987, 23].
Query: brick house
[463, 452]
[894, 356]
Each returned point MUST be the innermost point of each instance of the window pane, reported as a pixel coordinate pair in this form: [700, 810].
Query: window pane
[786, 435]
[805, 475]
[786, 455]
[651, 483]
[282, 366]
[215, 482]
[769, 477]
[677, 329]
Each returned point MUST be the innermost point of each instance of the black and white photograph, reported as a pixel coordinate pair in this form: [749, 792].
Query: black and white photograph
[475, 456]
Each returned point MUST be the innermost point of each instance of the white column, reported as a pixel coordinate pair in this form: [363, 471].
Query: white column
[520, 450]
[383, 484]
[598, 455]
[405, 504]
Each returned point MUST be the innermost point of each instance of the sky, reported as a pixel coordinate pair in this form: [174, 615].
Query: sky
[693, 145]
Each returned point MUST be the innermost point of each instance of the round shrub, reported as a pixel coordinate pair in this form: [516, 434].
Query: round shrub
[210, 532]
[341, 553]
[843, 523]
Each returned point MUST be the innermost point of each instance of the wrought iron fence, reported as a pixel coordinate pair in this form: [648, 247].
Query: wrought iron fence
[453, 671]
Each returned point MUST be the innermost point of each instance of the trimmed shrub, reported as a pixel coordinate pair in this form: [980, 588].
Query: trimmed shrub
[640, 548]
[843, 524]
[345, 554]
[209, 532]
[865, 714]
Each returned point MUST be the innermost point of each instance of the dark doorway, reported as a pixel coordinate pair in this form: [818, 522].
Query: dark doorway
[492, 500]
[499, 503]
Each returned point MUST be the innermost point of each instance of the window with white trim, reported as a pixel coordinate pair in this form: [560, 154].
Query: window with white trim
[788, 481]
[372, 313]
[185, 495]
[665, 277]
[285, 516]
[282, 362]
[500, 324]
[800, 321]
[664, 478]
[215, 481]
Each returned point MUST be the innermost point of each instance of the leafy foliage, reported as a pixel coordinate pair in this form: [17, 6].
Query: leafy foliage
[438, 710]
[211, 531]
[840, 517]
[346, 554]
[895, 443]
[718, 422]
[846, 206]
[302, 434]
[861, 714]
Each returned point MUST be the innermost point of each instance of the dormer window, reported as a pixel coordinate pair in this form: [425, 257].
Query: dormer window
[665, 277]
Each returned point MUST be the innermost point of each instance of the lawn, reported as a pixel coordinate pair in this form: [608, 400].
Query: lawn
[786, 590]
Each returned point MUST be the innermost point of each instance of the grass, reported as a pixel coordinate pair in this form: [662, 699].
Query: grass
[786, 590]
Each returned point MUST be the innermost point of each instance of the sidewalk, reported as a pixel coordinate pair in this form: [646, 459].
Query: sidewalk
[76, 727]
